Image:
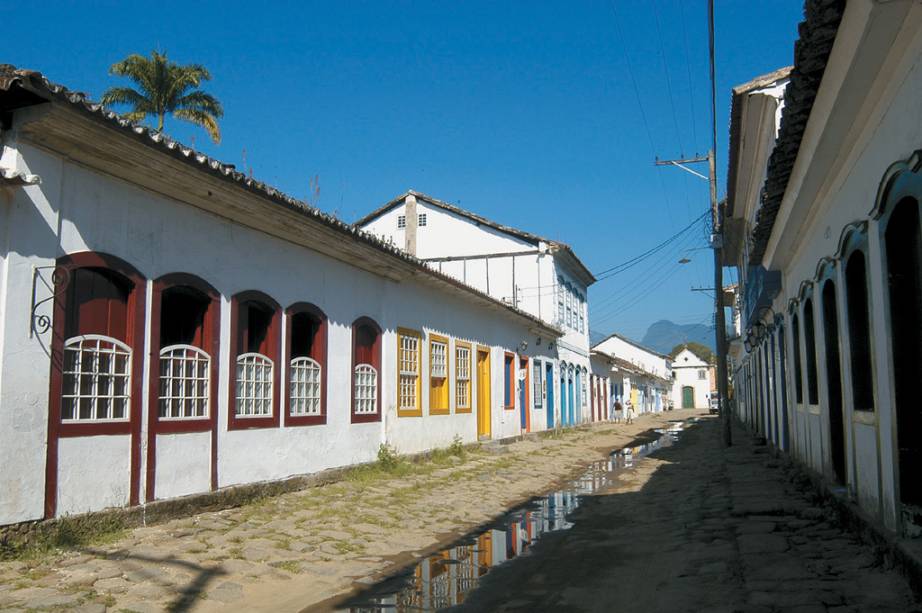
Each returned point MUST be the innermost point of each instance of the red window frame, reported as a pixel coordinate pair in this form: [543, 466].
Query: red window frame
[134, 338]
[375, 361]
[272, 350]
[318, 354]
[509, 381]
[211, 343]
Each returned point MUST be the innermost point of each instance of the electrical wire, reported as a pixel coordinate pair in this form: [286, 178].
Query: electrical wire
[662, 54]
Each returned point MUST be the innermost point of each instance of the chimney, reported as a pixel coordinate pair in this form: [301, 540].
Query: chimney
[409, 210]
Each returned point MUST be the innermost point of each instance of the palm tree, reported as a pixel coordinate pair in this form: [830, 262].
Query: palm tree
[166, 88]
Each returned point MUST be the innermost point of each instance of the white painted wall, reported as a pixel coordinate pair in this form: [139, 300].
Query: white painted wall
[843, 158]
[75, 209]
[686, 369]
[528, 281]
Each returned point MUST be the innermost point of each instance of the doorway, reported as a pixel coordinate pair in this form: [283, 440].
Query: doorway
[688, 397]
[524, 413]
[834, 380]
[483, 394]
[904, 273]
[549, 380]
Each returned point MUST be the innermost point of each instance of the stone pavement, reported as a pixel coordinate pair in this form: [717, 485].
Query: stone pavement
[287, 552]
[699, 528]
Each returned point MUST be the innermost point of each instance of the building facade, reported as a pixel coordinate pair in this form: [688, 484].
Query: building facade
[827, 235]
[537, 275]
[169, 326]
[692, 381]
[640, 375]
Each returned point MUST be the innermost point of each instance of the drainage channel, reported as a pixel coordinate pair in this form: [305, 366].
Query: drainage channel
[445, 578]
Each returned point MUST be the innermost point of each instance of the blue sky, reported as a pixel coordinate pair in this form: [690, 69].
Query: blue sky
[525, 112]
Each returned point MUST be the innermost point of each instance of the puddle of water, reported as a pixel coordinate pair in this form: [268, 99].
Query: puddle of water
[445, 578]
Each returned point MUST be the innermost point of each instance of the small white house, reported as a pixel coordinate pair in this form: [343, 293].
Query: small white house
[691, 387]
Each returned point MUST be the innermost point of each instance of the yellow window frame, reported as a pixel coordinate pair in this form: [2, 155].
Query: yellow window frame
[439, 387]
[470, 376]
[417, 410]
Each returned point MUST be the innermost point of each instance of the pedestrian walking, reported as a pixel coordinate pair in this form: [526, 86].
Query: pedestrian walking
[630, 412]
[619, 411]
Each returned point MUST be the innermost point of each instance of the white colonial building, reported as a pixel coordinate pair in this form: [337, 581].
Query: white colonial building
[639, 375]
[691, 381]
[537, 275]
[171, 327]
[823, 221]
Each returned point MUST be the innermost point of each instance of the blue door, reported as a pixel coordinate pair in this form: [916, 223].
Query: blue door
[570, 404]
[563, 398]
[577, 408]
[523, 404]
[549, 403]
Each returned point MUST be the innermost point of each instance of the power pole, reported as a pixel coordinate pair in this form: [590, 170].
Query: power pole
[716, 240]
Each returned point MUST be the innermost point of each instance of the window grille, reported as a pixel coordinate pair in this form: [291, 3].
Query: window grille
[185, 373]
[702, 374]
[401, 221]
[438, 359]
[304, 386]
[366, 389]
[463, 377]
[421, 220]
[254, 385]
[408, 360]
[97, 379]
[537, 381]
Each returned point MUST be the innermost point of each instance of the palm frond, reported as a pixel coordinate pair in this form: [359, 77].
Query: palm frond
[125, 95]
[201, 118]
[201, 101]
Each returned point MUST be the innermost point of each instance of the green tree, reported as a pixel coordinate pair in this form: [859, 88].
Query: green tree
[165, 88]
[702, 351]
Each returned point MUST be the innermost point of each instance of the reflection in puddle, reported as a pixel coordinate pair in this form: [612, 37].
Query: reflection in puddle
[445, 578]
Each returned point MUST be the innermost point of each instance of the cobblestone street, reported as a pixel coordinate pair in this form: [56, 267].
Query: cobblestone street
[697, 528]
[290, 551]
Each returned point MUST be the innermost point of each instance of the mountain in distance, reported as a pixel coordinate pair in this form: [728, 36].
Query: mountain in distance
[663, 335]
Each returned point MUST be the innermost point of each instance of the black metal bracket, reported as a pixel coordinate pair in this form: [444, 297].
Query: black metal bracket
[55, 283]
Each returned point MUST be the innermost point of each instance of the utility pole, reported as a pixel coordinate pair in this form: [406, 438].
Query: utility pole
[717, 229]
[716, 241]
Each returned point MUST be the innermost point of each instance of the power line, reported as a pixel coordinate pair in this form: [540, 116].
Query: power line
[643, 114]
[662, 54]
[691, 88]
[619, 268]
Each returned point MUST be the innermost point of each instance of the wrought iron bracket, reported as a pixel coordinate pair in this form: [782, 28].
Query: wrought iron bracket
[55, 283]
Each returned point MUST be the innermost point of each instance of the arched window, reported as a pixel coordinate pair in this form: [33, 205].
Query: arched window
[810, 346]
[255, 341]
[306, 348]
[97, 359]
[184, 320]
[859, 331]
[366, 371]
[96, 354]
[795, 350]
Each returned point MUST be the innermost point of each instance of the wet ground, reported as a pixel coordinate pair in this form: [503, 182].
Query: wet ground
[692, 527]
[447, 577]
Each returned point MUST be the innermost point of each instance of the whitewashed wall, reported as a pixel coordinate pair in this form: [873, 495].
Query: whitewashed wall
[76, 210]
[685, 368]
